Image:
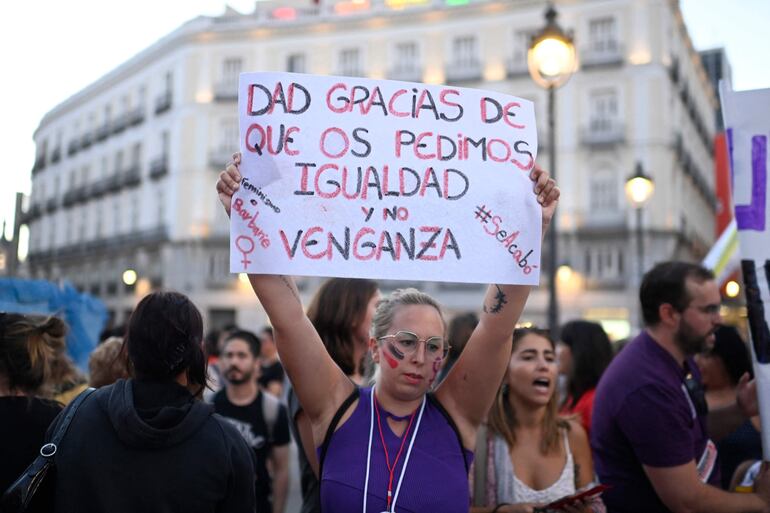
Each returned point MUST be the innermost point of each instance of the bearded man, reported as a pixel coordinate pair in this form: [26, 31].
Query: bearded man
[651, 425]
[258, 416]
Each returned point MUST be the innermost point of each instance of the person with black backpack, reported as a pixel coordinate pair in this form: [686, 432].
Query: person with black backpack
[259, 417]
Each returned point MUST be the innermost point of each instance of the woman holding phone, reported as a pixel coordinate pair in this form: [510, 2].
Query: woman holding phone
[532, 456]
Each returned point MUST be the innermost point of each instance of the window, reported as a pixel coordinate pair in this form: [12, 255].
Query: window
[604, 261]
[135, 212]
[164, 144]
[407, 56]
[98, 220]
[464, 51]
[350, 62]
[603, 111]
[85, 175]
[116, 215]
[228, 135]
[231, 69]
[521, 42]
[602, 35]
[136, 155]
[118, 162]
[295, 63]
[604, 193]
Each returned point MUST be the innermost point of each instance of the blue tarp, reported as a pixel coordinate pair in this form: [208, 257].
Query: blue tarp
[85, 314]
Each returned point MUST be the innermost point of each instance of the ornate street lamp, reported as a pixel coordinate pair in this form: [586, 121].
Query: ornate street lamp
[551, 61]
[639, 188]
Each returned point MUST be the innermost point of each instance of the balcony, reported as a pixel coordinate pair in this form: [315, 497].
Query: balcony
[159, 167]
[70, 198]
[52, 205]
[39, 165]
[136, 116]
[56, 155]
[105, 245]
[610, 55]
[34, 212]
[226, 91]
[119, 123]
[132, 176]
[460, 72]
[163, 103]
[73, 147]
[603, 132]
[97, 189]
[220, 156]
[112, 183]
[406, 73]
[517, 67]
[103, 131]
[86, 139]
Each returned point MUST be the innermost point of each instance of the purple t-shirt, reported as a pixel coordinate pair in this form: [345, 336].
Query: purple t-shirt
[643, 415]
[435, 479]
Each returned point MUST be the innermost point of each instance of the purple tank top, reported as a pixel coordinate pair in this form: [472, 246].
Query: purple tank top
[435, 479]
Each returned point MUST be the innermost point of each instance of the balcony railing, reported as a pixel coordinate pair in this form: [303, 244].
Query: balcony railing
[136, 116]
[73, 146]
[163, 103]
[611, 55]
[406, 73]
[97, 189]
[226, 91]
[463, 72]
[603, 132]
[119, 123]
[517, 66]
[86, 139]
[103, 131]
[56, 155]
[52, 205]
[112, 183]
[132, 176]
[34, 212]
[218, 157]
[159, 167]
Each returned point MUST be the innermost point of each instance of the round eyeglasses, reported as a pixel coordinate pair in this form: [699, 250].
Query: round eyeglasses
[406, 342]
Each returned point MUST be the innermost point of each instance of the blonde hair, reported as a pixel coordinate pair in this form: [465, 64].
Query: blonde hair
[386, 308]
[28, 345]
[107, 363]
[502, 417]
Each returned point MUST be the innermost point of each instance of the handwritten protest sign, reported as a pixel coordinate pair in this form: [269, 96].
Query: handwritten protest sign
[747, 119]
[381, 179]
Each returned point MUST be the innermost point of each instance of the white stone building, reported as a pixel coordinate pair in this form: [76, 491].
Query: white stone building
[125, 169]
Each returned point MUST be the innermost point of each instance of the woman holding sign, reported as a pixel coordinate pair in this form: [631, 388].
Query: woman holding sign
[395, 447]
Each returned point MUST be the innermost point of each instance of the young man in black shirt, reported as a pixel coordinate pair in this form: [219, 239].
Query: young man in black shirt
[258, 416]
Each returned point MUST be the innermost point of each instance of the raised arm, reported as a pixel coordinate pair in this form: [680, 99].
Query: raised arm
[470, 388]
[318, 382]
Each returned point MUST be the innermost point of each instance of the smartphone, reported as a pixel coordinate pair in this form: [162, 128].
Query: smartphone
[569, 499]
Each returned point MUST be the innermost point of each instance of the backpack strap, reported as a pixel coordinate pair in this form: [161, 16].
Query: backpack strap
[270, 407]
[333, 427]
[432, 399]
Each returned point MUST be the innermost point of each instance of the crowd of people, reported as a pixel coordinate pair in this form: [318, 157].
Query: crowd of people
[392, 407]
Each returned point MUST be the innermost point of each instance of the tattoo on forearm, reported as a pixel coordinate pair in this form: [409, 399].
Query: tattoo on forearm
[290, 286]
[500, 300]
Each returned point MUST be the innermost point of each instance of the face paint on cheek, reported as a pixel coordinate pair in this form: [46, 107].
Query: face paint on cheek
[392, 355]
[436, 367]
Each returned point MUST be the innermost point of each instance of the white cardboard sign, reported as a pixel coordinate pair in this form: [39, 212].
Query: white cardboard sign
[747, 121]
[354, 177]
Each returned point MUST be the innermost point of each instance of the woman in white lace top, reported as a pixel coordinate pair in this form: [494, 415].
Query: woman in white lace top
[529, 456]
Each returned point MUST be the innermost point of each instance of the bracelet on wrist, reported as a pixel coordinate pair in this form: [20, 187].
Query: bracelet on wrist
[497, 508]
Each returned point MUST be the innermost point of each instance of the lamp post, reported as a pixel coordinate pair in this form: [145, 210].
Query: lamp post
[639, 188]
[551, 61]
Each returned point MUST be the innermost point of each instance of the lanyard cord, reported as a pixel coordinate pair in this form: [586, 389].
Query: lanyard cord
[369, 452]
[392, 469]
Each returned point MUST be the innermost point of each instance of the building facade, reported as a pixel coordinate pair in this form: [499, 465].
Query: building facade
[125, 169]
